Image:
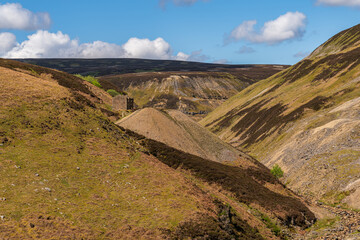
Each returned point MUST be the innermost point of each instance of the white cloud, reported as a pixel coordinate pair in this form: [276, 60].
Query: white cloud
[7, 42]
[286, 27]
[145, 48]
[44, 44]
[14, 16]
[99, 49]
[349, 3]
[181, 56]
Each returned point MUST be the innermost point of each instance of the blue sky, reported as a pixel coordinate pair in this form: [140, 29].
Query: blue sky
[198, 30]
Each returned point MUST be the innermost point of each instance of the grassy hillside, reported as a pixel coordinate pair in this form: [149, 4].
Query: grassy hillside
[306, 119]
[69, 173]
[213, 161]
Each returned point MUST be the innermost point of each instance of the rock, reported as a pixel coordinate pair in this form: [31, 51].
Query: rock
[77, 168]
[36, 174]
[47, 189]
[2, 217]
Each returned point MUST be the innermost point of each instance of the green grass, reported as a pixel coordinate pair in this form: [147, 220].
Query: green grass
[90, 79]
[271, 225]
[324, 223]
[113, 92]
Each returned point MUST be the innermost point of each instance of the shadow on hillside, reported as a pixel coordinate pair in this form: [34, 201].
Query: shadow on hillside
[240, 181]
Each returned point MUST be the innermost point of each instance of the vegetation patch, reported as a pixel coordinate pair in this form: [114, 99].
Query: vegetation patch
[90, 79]
[113, 92]
[277, 171]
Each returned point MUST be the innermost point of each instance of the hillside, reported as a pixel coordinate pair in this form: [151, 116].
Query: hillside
[194, 148]
[194, 93]
[305, 119]
[69, 173]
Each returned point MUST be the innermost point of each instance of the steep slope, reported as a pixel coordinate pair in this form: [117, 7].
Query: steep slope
[306, 119]
[194, 148]
[67, 172]
[189, 92]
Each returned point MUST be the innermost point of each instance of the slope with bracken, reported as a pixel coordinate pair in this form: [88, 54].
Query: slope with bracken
[67, 172]
[190, 92]
[305, 119]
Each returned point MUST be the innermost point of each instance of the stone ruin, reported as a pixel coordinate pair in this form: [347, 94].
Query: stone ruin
[122, 102]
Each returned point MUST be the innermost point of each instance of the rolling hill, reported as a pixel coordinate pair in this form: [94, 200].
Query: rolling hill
[68, 172]
[305, 119]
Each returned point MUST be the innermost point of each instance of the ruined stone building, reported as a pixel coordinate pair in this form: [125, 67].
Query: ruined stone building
[122, 102]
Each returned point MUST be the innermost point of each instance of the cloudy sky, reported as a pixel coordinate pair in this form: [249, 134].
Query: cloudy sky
[224, 31]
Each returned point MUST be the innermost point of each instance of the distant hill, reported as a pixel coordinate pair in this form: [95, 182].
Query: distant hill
[306, 119]
[113, 66]
[68, 172]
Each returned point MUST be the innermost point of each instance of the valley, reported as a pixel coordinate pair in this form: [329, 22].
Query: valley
[69, 172]
[194, 160]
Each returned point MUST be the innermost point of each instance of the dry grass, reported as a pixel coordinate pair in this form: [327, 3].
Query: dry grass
[69, 173]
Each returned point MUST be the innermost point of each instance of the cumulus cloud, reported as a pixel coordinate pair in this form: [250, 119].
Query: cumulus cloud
[14, 16]
[349, 3]
[245, 50]
[163, 3]
[7, 42]
[286, 27]
[44, 44]
[145, 48]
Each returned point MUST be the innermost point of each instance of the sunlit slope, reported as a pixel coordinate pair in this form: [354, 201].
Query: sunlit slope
[306, 119]
[67, 172]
